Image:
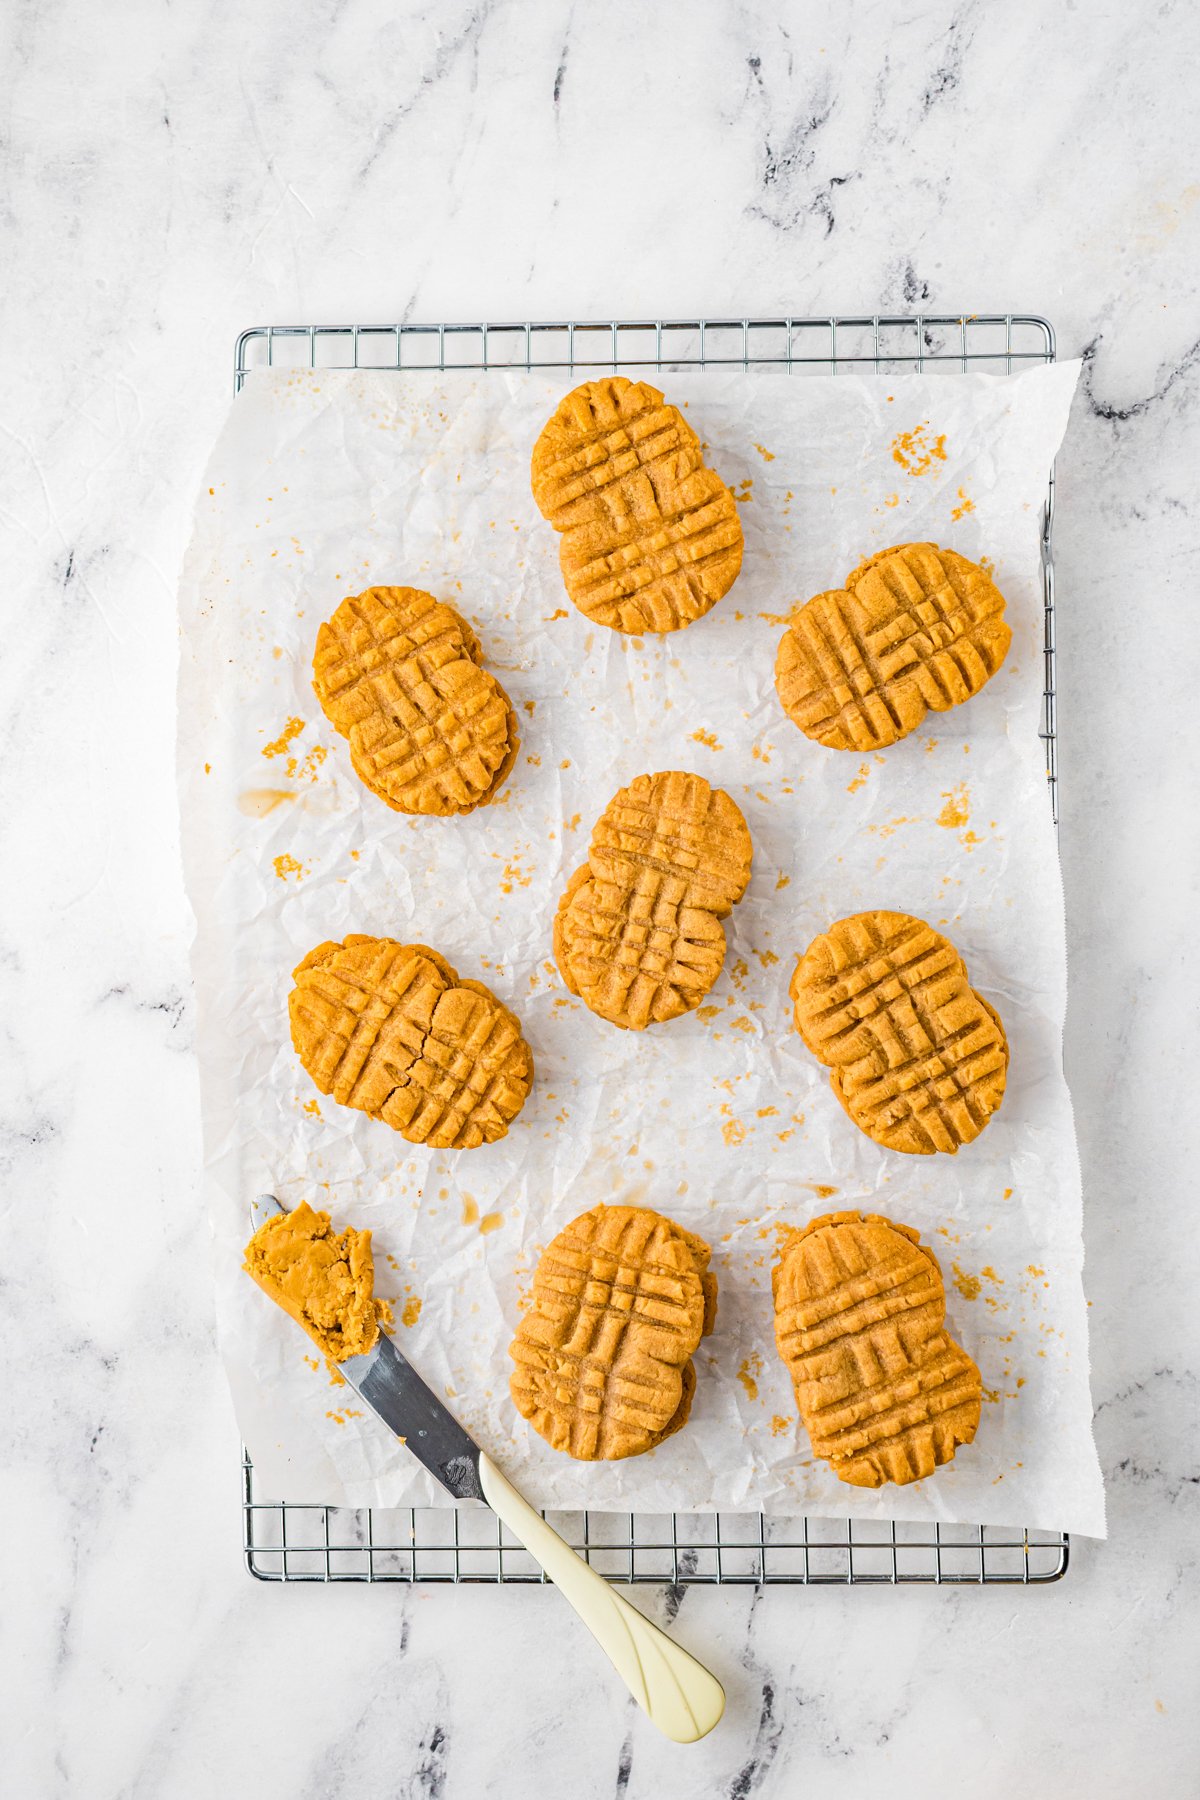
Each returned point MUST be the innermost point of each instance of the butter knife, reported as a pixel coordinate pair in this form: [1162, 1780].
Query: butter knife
[677, 1693]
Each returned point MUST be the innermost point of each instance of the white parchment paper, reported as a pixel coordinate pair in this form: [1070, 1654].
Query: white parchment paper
[322, 484]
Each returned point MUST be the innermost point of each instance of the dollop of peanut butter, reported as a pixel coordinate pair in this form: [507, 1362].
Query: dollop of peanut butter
[322, 1278]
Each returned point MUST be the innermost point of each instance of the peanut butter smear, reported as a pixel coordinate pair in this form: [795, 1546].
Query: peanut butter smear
[324, 1280]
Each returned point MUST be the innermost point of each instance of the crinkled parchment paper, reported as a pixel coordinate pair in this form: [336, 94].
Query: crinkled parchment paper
[322, 484]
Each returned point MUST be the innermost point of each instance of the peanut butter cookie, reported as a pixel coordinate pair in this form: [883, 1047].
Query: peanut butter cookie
[651, 537]
[915, 629]
[399, 674]
[884, 1391]
[917, 1058]
[638, 933]
[620, 1301]
[391, 1030]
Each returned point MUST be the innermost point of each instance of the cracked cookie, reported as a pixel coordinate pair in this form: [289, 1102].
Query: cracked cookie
[391, 1030]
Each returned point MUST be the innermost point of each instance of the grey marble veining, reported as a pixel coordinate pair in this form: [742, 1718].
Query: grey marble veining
[171, 175]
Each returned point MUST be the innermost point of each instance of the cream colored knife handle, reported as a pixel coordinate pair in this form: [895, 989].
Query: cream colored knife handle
[671, 1687]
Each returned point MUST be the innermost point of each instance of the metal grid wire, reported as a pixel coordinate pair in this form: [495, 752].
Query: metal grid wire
[294, 1542]
[290, 1542]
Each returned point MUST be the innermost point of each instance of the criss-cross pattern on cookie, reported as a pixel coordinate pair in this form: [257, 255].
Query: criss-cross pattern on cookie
[601, 433]
[633, 953]
[390, 1029]
[885, 1393]
[620, 1300]
[918, 1058]
[397, 673]
[638, 932]
[651, 536]
[676, 827]
[915, 629]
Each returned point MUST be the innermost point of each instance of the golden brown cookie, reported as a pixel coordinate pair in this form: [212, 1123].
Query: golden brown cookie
[391, 1029]
[915, 629]
[917, 1057]
[324, 1279]
[638, 932]
[399, 674]
[884, 1391]
[651, 537]
[619, 1302]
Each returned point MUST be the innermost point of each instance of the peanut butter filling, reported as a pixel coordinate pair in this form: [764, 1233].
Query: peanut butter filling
[324, 1279]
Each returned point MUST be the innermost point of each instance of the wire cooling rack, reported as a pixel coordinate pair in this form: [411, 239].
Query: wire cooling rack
[287, 1541]
[291, 1542]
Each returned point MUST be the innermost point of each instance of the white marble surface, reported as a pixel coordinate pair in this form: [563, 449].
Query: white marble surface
[173, 175]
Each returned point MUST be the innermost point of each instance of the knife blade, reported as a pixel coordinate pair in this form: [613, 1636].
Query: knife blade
[391, 1387]
[386, 1380]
